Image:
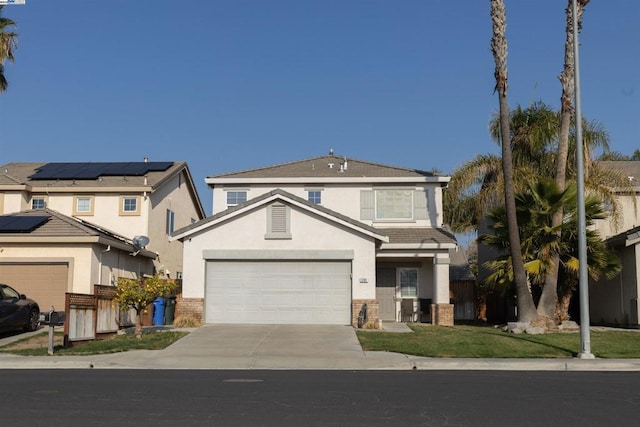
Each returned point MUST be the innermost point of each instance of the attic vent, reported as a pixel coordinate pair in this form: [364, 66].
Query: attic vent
[330, 165]
[278, 222]
[279, 219]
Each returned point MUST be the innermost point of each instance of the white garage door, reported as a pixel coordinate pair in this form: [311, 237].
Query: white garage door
[274, 292]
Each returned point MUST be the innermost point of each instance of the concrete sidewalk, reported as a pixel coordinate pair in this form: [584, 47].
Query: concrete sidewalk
[290, 347]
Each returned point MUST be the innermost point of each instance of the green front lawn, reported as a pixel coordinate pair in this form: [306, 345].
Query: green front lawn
[38, 345]
[490, 342]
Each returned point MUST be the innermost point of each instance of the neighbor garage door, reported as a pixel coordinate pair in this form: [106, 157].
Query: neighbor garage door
[274, 292]
[44, 283]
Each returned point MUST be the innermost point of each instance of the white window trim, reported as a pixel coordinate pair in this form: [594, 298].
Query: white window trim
[314, 190]
[399, 281]
[375, 205]
[235, 190]
[170, 218]
[45, 199]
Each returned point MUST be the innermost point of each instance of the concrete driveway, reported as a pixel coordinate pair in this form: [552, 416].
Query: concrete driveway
[266, 346]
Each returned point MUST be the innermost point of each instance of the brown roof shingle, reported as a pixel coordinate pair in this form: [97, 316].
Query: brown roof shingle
[327, 167]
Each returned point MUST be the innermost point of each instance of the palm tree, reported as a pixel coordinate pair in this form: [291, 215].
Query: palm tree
[8, 42]
[526, 307]
[536, 208]
[476, 186]
[547, 305]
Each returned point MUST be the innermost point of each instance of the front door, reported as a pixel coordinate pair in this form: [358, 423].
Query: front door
[386, 293]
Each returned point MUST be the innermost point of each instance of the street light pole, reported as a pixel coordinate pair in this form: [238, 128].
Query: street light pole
[583, 278]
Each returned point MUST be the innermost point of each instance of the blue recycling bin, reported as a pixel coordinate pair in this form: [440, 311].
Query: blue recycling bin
[158, 311]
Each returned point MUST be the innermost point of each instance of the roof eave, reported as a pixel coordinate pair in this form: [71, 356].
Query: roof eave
[212, 182]
[418, 246]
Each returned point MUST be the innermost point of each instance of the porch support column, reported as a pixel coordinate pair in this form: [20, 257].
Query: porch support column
[441, 310]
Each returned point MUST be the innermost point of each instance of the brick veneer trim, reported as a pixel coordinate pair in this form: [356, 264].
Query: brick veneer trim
[442, 314]
[373, 307]
[193, 307]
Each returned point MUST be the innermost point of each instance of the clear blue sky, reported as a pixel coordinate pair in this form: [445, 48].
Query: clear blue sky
[237, 84]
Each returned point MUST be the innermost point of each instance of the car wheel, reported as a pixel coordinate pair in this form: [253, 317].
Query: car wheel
[34, 319]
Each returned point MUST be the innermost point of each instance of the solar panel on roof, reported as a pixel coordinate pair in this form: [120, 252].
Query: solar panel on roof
[93, 170]
[21, 224]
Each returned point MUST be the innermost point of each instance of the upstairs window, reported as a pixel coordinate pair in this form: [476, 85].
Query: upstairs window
[315, 197]
[38, 203]
[129, 205]
[83, 205]
[234, 198]
[171, 221]
[394, 204]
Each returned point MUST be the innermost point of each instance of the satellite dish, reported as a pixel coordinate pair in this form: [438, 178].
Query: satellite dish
[139, 242]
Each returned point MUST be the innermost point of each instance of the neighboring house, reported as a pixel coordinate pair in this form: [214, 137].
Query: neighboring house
[628, 204]
[616, 301]
[44, 254]
[610, 301]
[149, 199]
[312, 241]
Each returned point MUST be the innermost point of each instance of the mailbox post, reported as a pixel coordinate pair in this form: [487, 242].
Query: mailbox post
[52, 318]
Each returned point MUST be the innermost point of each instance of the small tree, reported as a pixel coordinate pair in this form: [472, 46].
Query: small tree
[139, 293]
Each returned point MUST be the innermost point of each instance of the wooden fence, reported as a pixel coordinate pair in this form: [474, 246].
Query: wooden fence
[92, 316]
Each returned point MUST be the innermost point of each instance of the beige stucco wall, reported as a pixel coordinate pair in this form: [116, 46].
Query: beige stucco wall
[629, 219]
[106, 211]
[173, 195]
[110, 264]
[344, 199]
[83, 260]
[308, 233]
[14, 201]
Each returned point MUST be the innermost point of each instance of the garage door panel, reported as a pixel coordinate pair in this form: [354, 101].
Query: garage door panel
[44, 283]
[278, 292]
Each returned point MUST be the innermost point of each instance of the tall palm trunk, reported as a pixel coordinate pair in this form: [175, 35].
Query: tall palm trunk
[526, 307]
[548, 305]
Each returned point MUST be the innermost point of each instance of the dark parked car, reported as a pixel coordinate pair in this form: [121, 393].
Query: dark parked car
[17, 311]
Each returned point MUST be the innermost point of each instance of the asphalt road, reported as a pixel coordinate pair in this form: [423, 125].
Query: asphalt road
[279, 398]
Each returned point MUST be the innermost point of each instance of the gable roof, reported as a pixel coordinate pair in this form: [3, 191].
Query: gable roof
[64, 229]
[95, 176]
[325, 169]
[285, 197]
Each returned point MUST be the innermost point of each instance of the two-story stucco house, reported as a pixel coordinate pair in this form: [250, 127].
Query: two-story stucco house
[312, 241]
[616, 301]
[123, 199]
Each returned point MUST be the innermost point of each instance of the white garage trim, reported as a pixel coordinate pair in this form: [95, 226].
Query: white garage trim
[278, 292]
[278, 254]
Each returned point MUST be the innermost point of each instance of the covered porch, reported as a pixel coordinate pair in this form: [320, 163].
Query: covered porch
[412, 276]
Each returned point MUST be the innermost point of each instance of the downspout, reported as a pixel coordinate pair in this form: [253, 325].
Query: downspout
[100, 264]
